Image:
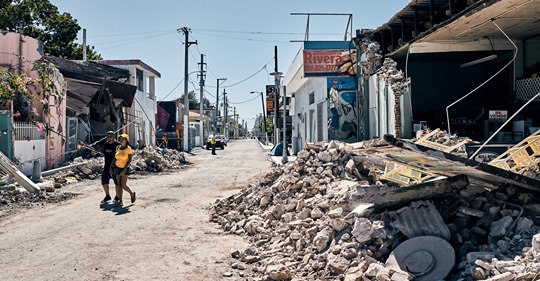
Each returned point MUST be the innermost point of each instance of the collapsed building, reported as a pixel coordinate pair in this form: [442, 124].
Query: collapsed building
[385, 210]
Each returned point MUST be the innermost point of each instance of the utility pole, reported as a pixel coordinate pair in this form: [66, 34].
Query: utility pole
[277, 77]
[217, 105]
[201, 86]
[235, 122]
[225, 104]
[186, 31]
[284, 159]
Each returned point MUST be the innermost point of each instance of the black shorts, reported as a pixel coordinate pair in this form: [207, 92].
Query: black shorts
[117, 171]
[106, 177]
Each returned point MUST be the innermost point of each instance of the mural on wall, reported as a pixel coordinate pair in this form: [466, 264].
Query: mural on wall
[342, 109]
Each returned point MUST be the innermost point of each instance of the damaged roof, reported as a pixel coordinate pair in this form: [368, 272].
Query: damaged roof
[132, 62]
[461, 20]
[85, 79]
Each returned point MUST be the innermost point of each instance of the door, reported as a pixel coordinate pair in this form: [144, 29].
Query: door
[6, 141]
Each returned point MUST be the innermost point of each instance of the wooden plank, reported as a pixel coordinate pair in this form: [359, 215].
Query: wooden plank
[8, 167]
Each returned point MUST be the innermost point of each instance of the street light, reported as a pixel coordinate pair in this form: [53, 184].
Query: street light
[264, 116]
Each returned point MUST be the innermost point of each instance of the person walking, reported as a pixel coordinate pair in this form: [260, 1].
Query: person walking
[213, 143]
[119, 168]
[109, 149]
[164, 141]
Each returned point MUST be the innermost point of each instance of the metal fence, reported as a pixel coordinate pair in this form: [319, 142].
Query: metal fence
[27, 131]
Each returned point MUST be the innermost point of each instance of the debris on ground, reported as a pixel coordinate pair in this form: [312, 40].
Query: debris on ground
[12, 198]
[150, 159]
[312, 219]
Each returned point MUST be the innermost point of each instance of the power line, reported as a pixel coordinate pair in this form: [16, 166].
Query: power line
[262, 32]
[240, 38]
[256, 97]
[134, 33]
[136, 40]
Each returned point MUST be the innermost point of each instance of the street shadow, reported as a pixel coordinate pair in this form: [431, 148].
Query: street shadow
[118, 210]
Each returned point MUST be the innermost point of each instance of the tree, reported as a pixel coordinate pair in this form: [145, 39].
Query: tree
[41, 20]
[194, 101]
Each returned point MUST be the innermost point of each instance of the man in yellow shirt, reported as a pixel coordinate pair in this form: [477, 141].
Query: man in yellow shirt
[165, 141]
[213, 143]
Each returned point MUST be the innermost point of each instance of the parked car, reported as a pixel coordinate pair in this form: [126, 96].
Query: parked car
[219, 142]
[225, 139]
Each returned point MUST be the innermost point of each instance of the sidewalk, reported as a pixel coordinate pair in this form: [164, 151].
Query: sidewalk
[276, 159]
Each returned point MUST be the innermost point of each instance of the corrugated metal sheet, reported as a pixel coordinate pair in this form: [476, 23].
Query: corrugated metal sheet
[421, 218]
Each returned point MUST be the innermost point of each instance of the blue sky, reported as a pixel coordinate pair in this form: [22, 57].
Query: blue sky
[237, 38]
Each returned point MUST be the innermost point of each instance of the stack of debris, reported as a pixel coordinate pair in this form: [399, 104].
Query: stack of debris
[325, 217]
[149, 159]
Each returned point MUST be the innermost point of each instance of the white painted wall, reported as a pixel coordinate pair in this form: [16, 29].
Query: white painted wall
[304, 115]
[381, 108]
[27, 151]
[306, 127]
[143, 107]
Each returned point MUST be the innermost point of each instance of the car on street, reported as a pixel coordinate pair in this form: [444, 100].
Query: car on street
[219, 142]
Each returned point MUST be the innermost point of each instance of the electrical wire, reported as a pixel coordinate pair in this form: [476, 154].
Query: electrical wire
[263, 33]
[256, 97]
[131, 39]
[243, 80]
[134, 33]
[136, 40]
[246, 39]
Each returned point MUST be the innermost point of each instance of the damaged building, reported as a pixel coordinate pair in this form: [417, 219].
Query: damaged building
[443, 77]
[465, 67]
[105, 98]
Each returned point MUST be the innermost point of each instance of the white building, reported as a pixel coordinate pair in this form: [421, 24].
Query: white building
[141, 116]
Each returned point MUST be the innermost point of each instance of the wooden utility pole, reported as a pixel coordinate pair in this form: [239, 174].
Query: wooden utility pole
[201, 105]
[217, 105]
[186, 31]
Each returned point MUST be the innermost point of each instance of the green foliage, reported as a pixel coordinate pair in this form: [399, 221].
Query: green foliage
[194, 101]
[23, 90]
[41, 20]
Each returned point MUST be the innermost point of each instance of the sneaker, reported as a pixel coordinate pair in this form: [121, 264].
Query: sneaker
[116, 199]
[133, 198]
[107, 198]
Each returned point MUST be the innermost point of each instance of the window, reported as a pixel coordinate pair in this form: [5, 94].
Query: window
[140, 80]
[311, 98]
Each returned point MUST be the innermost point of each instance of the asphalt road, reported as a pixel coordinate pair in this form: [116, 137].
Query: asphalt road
[164, 235]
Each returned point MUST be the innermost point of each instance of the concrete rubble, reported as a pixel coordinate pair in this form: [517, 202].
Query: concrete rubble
[311, 220]
[151, 159]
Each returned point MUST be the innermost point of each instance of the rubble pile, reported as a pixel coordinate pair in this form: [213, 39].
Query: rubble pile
[314, 219]
[154, 159]
[12, 198]
[149, 159]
